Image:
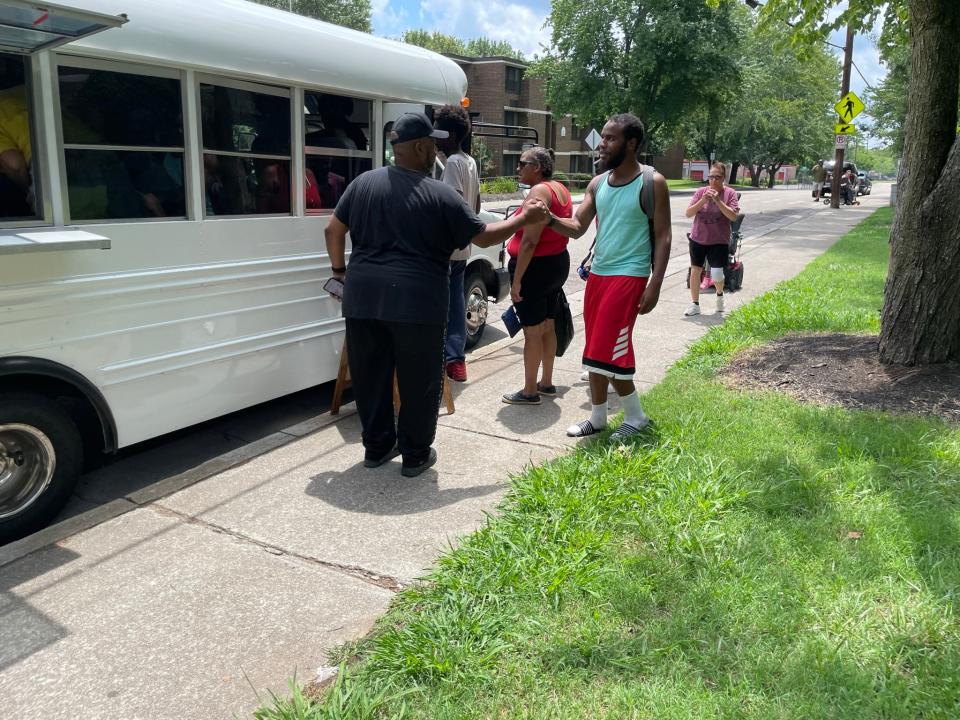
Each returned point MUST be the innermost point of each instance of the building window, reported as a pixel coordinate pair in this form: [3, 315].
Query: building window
[246, 150]
[512, 79]
[19, 189]
[581, 164]
[122, 144]
[337, 146]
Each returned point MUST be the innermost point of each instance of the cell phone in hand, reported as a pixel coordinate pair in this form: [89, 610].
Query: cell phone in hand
[334, 286]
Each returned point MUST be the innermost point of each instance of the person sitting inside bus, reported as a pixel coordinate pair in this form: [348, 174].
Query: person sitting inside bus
[15, 153]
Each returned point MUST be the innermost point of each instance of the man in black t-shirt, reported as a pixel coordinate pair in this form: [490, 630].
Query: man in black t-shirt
[403, 227]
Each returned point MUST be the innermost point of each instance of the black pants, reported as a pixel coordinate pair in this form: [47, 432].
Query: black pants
[376, 348]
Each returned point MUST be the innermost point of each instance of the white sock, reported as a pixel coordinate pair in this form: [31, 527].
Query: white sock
[632, 412]
[598, 415]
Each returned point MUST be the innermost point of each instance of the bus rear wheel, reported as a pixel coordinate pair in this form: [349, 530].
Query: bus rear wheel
[41, 453]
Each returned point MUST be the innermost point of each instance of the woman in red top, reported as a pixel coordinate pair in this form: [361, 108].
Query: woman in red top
[539, 265]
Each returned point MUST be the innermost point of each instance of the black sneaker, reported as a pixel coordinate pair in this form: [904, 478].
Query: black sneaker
[372, 461]
[416, 469]
[518, 398]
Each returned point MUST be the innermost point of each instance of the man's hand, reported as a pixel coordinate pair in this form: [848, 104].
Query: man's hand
[534, 211]
[650, 297]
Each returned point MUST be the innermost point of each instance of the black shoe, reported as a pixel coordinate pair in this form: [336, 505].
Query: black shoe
[414, 470]
[547, 390]
[372, 461]
[518, 398]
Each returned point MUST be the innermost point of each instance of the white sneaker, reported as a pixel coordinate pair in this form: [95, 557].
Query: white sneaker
[585, 375]
[719, 303]
[694, 309]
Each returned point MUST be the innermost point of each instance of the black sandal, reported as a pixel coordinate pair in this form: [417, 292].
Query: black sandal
[518, 398]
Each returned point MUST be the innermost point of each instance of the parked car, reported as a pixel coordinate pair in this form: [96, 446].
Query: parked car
[828, 182]
[864, 184]
[487, 279]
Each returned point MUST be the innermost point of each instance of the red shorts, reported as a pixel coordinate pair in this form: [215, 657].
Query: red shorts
[609, 313]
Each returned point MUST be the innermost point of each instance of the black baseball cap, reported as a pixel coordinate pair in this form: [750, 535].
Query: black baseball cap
[413, 126]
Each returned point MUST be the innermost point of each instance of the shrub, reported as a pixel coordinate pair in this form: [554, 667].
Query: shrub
[498, 186]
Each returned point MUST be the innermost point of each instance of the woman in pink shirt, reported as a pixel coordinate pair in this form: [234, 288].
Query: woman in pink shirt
[712, 208]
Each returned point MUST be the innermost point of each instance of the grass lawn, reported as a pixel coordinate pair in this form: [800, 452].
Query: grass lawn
[684, 184]
[751, 558]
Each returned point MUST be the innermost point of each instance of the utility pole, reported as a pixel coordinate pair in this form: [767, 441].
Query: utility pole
[844, 89]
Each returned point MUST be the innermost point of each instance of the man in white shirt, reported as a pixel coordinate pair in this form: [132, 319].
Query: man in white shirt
[460, 173]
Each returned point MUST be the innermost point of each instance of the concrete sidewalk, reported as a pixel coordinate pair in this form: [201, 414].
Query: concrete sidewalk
[184, 605]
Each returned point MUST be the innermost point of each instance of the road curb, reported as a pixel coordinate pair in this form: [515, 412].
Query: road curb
[53, 534]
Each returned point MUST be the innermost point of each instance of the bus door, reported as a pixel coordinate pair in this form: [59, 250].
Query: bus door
[392, 111]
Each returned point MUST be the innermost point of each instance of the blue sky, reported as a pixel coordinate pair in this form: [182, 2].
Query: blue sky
[520, 23]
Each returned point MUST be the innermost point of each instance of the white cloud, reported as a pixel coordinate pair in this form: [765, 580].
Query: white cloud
[516, 23]
[388, 20]
[519, 25]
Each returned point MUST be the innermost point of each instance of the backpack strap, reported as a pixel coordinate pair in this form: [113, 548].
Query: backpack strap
[589, 257]
[648, 204]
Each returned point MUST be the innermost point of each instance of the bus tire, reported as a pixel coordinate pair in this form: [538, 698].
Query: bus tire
[476, 301]
[41, 454]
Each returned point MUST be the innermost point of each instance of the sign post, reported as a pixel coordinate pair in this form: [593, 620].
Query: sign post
[592, 141]
[844, 112]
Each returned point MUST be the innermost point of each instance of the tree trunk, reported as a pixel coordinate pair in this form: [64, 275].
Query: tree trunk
[734, 169]
[772, 171]
[755, 175]
[920, 323]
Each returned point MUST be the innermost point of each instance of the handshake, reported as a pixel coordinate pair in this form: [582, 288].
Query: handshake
[534, 211]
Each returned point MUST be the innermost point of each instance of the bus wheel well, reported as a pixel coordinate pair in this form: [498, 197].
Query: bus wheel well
[485, 270]
[96, 437]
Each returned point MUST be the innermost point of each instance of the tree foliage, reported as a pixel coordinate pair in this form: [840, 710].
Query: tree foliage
[658, 59]
[879, 159]
[784, 114]
[888, 100]
[778, 113]
[348, 13]
[477, 47]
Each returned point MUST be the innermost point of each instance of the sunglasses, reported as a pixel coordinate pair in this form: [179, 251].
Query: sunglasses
[521, 163]
[715, 177]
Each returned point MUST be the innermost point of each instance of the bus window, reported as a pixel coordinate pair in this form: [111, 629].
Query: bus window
[18, 189]
[246, 151]
[123, 144]
[337, 146]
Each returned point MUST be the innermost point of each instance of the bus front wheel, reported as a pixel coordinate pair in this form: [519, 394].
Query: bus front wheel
[475, 296]
[41, 454]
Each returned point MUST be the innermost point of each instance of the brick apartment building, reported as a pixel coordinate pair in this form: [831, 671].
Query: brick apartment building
[502, 93]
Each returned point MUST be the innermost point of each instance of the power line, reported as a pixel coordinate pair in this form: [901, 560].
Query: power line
[865, 81]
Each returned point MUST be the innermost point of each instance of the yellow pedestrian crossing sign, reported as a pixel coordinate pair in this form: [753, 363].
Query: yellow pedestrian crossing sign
[844, 129]
[849, 107]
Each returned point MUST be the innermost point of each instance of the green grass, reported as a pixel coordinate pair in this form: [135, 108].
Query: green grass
[684, 184]
[752, 558]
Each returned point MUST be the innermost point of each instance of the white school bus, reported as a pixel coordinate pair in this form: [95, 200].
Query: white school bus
[167, 168]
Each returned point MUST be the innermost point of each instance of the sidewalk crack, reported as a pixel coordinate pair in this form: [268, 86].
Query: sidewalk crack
[385, 582]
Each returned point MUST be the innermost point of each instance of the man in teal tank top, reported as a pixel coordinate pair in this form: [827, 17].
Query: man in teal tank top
[621, 283]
